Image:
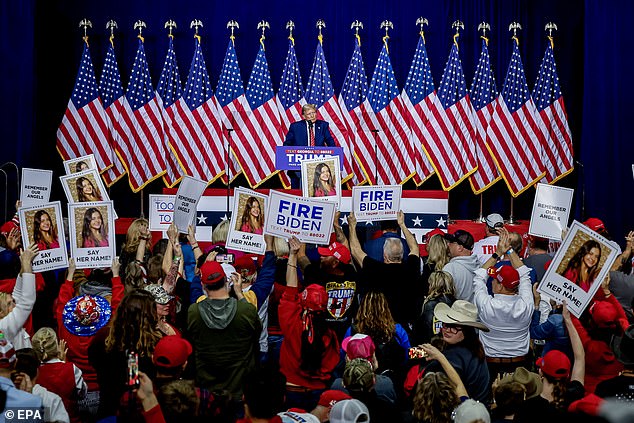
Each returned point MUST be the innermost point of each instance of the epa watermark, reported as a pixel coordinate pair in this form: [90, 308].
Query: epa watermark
[24, 415]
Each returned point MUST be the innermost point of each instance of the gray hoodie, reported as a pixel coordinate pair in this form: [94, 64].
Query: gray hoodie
[462, 269]
[218, 313]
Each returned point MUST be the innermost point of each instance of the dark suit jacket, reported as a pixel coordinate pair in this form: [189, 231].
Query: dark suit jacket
[298, 135]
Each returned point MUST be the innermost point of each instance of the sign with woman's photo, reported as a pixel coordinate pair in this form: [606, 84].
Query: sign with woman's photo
[80, 164]
[321, 178]
[85, 186]
[43, 225]
[580, 265]
[92, 242]
[247, 222]
[36, 186]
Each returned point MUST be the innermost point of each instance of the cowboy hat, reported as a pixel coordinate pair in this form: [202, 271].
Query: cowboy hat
[461, 313]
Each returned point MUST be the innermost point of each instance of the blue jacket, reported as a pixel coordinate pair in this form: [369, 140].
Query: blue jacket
[553, 331]
[298, 135]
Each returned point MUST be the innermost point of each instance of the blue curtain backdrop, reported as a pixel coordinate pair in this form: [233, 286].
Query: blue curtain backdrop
[41, 47]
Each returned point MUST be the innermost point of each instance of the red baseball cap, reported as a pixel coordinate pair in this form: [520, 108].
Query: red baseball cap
[336, 250]
[595, 224]
[506, 275]
[245, 263]
[554, 364]
[171, 351]
[331, 397]
[314, 298]
[603, 314]
[358, 346]
[211, 272]
[8, 226]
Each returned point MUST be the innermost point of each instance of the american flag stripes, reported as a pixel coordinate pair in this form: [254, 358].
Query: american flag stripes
[451, 148]
[168, 92]
[353, 102]
[484, 98]
[258, 153]
[290, 97]
[557, 154]
[111, 94]
[83, 129]
[140, 127]
[233, 106]
[514, 136]
[320, 92]
[394, 158]
[418, 95]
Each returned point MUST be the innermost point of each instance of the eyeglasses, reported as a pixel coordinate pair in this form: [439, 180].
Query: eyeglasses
[451, 328]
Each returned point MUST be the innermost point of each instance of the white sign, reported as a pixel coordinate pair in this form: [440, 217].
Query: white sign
[161, 212]
[85, 186]
[551, 209]
[321, 178]
[92, 235]
[43, 225]
[187, 198]
[247, 221]
[578, 268]
[36, 186]
[381, 202]
[308, 219]
[80, 164]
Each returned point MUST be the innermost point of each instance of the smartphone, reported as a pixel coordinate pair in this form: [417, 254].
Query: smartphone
[416, 352]
[133, 370]
[225, 258]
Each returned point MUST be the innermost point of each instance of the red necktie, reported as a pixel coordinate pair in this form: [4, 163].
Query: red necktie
[311, 130]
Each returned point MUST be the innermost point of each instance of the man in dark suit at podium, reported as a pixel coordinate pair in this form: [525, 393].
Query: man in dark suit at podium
[309, 132]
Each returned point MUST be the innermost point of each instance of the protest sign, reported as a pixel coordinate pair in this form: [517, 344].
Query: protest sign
[92, 236]
[578, 268]
[321, 178]
[187, 198]
[371, 203]
[43, 225]
[308, 219]
[79, 164]
[247, 223]
[36, 186]
[161, 212]
[551, 209]
[290, 157]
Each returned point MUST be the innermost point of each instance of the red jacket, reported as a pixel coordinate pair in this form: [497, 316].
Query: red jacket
[290, 354]
[78, 345]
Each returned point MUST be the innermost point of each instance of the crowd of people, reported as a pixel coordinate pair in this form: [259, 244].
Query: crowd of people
[350, 332]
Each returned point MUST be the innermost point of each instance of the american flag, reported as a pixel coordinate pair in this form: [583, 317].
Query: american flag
[557, 153]
[451, 125]
[258, 154]
[353, 102]
[290, 97]
[168, 91]
[321, 93]
[418, 95]
[194, 131]
[484, 98]
[111, 94]
[514, 137]
[394, 162]
[233, 107]
[84, 126]
[140, 127]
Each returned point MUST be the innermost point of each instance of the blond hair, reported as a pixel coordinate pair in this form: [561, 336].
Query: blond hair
[133, 236]
[374, 318]
[437, 250]
[45, 344]
[441, 282]
[220, 232]
[4, 299]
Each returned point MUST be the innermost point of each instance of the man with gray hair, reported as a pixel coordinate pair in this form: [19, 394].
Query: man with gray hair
[396, 277]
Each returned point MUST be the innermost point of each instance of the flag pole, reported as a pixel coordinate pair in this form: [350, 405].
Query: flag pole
[511, 217]
[227, 169]
[375, 133]
[142, 215]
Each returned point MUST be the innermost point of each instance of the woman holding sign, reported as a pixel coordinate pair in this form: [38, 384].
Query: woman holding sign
[323, 181]
[583, 267]
[93, 232]
[252, 217]
[86, 191]
[44, 232]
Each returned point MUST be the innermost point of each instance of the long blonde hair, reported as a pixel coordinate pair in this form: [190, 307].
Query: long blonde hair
[438, 252]
[45, 344]
[440, 283]
[374, 318]
[133, 236]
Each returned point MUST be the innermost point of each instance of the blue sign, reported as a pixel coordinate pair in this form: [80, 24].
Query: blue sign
[290, 157]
